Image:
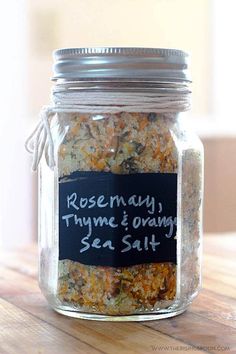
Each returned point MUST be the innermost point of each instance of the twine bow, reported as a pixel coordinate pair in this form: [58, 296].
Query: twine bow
[40, 140]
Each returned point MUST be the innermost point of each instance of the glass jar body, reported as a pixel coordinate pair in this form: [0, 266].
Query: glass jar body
[122, 144]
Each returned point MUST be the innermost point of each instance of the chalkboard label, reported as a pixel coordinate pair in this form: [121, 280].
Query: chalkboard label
[118, 220]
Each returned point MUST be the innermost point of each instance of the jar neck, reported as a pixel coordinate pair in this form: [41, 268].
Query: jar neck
[112, 96]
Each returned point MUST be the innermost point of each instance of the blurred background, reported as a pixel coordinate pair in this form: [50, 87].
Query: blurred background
[32, 29]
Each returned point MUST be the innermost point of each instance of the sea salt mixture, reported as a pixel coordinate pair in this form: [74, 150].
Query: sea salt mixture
[90, 222]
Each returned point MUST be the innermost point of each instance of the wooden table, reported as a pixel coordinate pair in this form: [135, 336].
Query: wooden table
[28, 325]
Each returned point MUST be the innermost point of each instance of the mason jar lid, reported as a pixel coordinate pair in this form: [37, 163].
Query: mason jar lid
[108, 63]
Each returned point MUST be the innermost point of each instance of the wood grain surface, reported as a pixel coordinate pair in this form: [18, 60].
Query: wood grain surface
[29, 326]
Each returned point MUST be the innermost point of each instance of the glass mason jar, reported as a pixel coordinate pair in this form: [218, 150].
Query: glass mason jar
[120, 209]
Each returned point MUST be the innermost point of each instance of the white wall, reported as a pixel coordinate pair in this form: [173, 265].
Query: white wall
[17, 214]
[224, 49]
[184, 24]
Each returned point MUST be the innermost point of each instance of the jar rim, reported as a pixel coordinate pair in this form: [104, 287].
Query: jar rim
[114, 63]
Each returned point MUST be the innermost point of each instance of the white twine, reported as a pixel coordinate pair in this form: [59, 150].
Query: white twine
[40, 140]
[115, 102]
